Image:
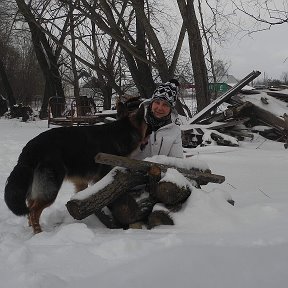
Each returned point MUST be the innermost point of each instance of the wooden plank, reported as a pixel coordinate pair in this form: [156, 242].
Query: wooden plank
[278, 95]
[269, 118]
[224, 97]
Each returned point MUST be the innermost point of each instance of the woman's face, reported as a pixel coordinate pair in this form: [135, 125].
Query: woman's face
[160, 108]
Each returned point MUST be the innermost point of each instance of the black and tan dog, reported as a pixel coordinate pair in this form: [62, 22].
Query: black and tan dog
[67, 152]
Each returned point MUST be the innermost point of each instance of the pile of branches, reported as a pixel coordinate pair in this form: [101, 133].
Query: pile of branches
[240, 120]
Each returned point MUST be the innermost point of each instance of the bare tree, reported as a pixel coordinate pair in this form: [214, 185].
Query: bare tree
[136, 44]
[107, 37]
[117, 29]
[5, 50]
[27, 79]
[46, 56]
[284, 77]
[265, 12]
[73, 50]
[215, 27]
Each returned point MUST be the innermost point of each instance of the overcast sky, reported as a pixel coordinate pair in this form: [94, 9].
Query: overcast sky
[265, 51]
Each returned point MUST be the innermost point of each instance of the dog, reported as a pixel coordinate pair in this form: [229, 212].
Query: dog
[67, 153]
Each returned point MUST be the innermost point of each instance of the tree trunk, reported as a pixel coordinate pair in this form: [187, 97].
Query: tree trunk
[196, 52]
[107, 94]
[73, 60]
[144, 69]
[49, 91]
[106, 84]
[160, 58]
[6, 85]
[177, 51]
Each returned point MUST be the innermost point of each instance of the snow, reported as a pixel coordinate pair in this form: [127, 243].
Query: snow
[181, 163]
[274, 105]
[175, 177]
[213, 243]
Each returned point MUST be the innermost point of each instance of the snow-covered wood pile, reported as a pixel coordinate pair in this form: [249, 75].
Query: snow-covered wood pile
[264, 112]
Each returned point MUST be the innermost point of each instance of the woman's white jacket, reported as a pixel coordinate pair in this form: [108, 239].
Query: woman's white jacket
[165, 141]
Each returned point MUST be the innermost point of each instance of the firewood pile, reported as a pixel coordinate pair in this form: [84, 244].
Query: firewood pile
[248, 113]
[117, 192]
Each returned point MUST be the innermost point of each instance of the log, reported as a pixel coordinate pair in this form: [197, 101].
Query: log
[238, 134]
[125, 210]
[139, 213]
[201, 178]
[222, 141]
[171, 194]
[154, 174]
[123, 181]
[107, 220]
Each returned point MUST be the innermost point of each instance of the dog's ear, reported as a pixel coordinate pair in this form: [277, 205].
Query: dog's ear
[127, 107]
[122, 110]
[137, 120]
[140, 114]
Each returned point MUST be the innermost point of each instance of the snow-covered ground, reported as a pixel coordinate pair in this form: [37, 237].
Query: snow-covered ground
[213, 243]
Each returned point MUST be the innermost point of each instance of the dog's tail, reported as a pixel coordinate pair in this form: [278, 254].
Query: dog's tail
[17, 188]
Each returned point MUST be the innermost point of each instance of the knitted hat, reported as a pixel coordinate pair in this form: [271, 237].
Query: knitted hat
[167, 91]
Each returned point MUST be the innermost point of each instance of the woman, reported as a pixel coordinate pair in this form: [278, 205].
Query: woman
[165, 139]
[161, 115]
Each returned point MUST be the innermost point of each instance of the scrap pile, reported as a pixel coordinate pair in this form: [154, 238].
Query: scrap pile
[246, 112]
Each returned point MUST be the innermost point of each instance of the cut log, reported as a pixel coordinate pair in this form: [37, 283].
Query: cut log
[222, 141]
[123, 181]
[171, 194]
[154, 173]
[107, 220]
[125, 210]
[201, 178]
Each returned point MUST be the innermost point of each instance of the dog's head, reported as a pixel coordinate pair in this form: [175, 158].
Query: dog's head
[125, 108]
